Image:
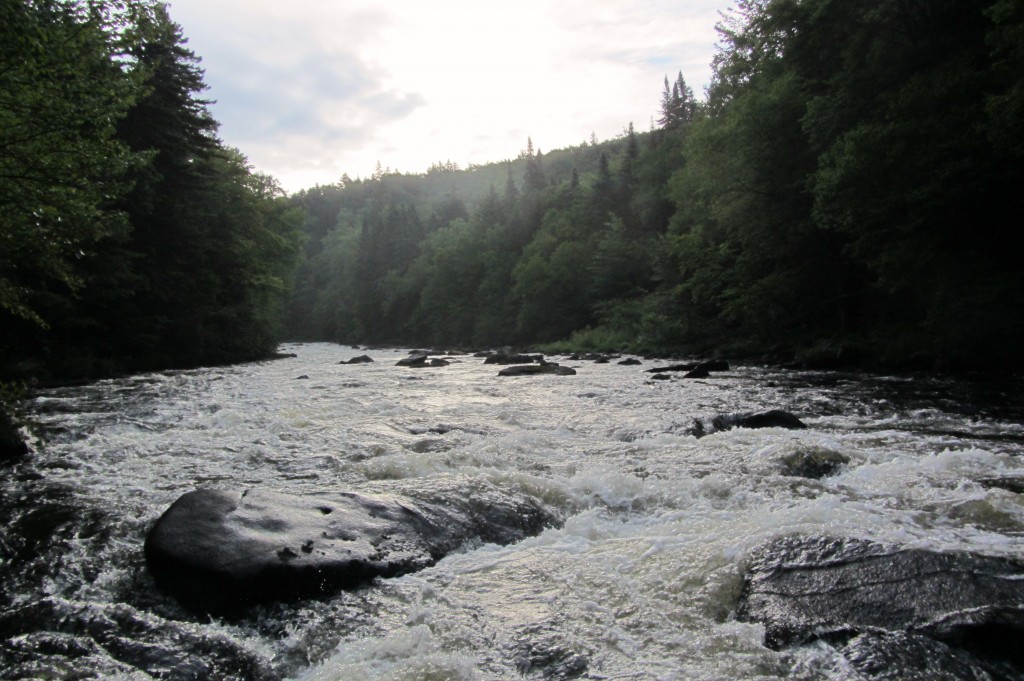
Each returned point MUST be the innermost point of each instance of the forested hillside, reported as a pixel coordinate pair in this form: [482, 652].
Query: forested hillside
[130, 237]
[848, 191]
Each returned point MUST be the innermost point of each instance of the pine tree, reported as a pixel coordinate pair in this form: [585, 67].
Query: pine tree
[678, 105]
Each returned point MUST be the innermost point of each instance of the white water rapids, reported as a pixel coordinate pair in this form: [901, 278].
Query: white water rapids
[641, 581]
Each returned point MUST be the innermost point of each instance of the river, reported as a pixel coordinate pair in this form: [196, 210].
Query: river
[640, 582]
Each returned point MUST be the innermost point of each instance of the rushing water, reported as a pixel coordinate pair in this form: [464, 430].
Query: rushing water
[641, 581]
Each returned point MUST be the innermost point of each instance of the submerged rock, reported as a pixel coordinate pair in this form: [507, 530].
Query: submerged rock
[965, 608]
[1012, 483]
[220, 551]
[813, 462]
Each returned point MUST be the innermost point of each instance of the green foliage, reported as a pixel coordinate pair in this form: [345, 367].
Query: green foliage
[61, 164]
[133, 239]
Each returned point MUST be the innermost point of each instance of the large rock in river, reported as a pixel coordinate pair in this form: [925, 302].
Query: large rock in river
[913, 609]
[220, 551]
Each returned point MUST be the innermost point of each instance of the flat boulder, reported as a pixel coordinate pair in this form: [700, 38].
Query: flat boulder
[512, 358]
[546, 368]
[672, 367]
[773, 418]
[881, 602]
[221, 551]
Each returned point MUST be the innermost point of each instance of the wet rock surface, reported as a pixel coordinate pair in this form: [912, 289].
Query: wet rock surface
[891, 608]
[512, 358]
[361, 359]
[221, 551]
[57, 638]
[774, 418]
[12, 446]
[546, 368]
[813, 462]
[1013, 484]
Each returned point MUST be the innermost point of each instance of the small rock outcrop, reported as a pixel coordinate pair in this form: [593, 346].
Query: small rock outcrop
[545, 368]
[774, 418]
[700, 371]
[512, 358]
[887, 608]
[221, 551]
[704, 369]
[672, 368]
[415, 359]
[361, 359]
[693, 369]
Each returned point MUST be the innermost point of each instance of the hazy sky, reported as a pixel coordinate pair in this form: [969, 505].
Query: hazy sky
[312, 89]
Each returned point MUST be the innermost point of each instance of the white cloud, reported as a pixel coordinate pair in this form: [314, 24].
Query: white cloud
[313, 89]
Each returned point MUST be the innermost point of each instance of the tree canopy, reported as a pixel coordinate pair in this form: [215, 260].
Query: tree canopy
[847, 190]
[844, 193]
[132, 238]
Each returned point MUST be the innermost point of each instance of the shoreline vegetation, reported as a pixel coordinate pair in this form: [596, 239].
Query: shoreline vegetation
[845, 195]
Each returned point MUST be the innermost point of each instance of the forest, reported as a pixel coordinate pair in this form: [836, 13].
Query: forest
[132, 238]
[846, 192]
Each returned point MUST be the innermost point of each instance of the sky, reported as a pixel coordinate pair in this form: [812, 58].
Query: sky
[310, 90]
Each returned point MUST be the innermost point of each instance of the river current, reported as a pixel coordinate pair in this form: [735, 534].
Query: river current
[640, 582]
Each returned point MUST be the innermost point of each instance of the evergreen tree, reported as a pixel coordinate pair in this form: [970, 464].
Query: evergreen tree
[62, 166]
[678, 105]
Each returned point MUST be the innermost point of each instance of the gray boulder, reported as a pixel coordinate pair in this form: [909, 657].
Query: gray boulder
[843, 590]
[221, 551]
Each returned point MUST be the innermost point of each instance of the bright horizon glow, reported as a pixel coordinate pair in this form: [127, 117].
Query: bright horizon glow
[311, 90]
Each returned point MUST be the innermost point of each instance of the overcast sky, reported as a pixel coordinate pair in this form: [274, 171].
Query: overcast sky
[312, 89]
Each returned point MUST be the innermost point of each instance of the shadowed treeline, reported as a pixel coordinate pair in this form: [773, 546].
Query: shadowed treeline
[131, 238]
[846, 193]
